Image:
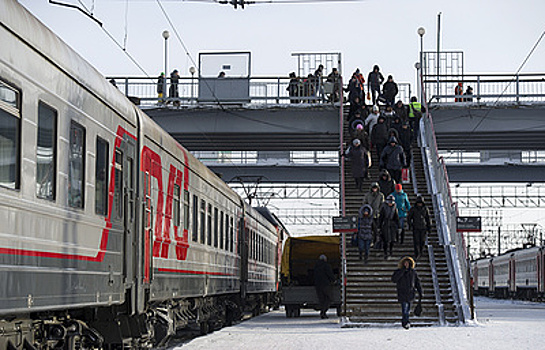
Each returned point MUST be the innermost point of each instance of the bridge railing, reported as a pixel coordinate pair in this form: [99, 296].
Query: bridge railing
[487, 88]
[262, 91]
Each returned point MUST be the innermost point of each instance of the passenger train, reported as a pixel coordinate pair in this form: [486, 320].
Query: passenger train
[516, 274]
[112, 235]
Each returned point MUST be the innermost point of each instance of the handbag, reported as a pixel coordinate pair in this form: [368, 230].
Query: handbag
[354, 240]
[418, 308]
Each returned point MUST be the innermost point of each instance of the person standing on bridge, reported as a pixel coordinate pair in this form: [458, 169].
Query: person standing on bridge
[388, 225]
[173, 92]
[407, 282]
[374, 81]
[420, 224]
[389, 91]
[161, 87]
[323, 279]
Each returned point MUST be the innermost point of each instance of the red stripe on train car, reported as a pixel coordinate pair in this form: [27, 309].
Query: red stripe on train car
[191, 272]
[105, 232]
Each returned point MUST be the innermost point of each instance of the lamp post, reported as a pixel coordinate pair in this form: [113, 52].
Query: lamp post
[166, 35]
[421, 31]
[192, 70]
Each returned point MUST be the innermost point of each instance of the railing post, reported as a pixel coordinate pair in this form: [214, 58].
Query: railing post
[478, 87]
[278, 91]
[127, 86]
[518, 87]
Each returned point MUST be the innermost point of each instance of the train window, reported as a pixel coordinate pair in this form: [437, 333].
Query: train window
[118, 184]
[203, 221]
[221, 231]
[101, 177]
[195, 233]
[209, 225]
[216, 218]
[186, 209]
[226, 231]
[76, 166]
[10, 124]
[176, 206]
[46, 152]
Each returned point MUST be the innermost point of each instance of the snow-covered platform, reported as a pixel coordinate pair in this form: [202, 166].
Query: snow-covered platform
[501, 325]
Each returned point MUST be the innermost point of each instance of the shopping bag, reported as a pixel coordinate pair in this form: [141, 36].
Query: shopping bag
[418, 309]
[405, 175]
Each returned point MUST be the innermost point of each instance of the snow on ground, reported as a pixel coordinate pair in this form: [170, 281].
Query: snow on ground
[509, 325]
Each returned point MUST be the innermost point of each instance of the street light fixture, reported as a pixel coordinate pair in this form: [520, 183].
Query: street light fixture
[192, 70]
[421, 31]
[166, 35]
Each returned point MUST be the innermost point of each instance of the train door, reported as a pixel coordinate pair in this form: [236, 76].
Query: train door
[243, 233]
[490, 278]
[512, 282]
[125, 195]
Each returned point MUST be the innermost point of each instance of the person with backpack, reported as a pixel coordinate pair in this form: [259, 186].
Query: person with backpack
[407, 282]
[419, 223]
[416, 110]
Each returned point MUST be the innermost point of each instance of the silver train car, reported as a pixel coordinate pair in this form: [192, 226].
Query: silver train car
[516, 274]
[112, 235]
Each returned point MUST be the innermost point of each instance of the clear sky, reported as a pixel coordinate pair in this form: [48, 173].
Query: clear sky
[495, 35]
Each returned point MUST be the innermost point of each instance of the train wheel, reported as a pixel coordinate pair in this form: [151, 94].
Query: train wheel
[288, 311]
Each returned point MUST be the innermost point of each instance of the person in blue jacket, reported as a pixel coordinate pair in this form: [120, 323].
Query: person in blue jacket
[403, 207]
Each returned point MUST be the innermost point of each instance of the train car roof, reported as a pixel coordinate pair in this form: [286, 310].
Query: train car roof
[18, 20]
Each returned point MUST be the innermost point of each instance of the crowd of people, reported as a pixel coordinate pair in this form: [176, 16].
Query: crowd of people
[313, 87]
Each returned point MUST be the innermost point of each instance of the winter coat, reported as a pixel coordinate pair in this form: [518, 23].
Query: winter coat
[375, 200]
[375, 79]
[396, 124]
[405, 138]
[419, 218]
[323, 274]
[389, 117]
[380, 133]
[354, 108]
[386, 186]
[366, 225]
[371, 121]
[401, 112]
[354, 90]
[415, 106]
[389, 90]
[402, 203]
[392, 157]
[388, 222]
[359, 159]
[407, 282]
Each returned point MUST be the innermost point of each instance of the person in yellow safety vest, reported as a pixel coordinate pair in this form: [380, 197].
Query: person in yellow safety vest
[416, 111]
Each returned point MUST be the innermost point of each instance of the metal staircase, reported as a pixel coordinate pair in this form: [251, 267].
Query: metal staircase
[370, 296]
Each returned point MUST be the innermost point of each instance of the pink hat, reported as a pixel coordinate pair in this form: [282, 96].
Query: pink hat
[359, 126]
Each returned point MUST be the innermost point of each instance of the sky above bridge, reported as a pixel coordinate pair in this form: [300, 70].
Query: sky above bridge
[495, 35]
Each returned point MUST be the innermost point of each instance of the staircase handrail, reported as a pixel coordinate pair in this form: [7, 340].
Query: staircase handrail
[445, 212]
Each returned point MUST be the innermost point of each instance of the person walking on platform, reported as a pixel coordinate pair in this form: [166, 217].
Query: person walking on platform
[374, 81]
[366, 231]
[386, 183]
[388, 225]
[293, 88]
[323, 279]
[416, 111]
[360, 162]
[420, 224]
[407, 282]
[374, 198]
[389, 91]
[379, 136]
[354, 90]
[403, 207]
[393, 159]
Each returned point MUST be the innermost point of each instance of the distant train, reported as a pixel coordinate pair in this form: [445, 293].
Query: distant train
[517, 274]
[111, 234]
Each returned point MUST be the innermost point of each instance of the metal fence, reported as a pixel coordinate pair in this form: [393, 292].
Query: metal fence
[486, 88]
[234, 158]
[262, 91]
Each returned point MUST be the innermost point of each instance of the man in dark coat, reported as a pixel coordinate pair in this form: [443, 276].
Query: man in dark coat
[393, 159]
[374, 81]
[366, 230]
[386, 184]
[406, 140]
[390, 90]
[420, 224]
[407, 281]
[379, 136]
[360, 162]
[401, 110]
[388, 225]
[323, 279]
